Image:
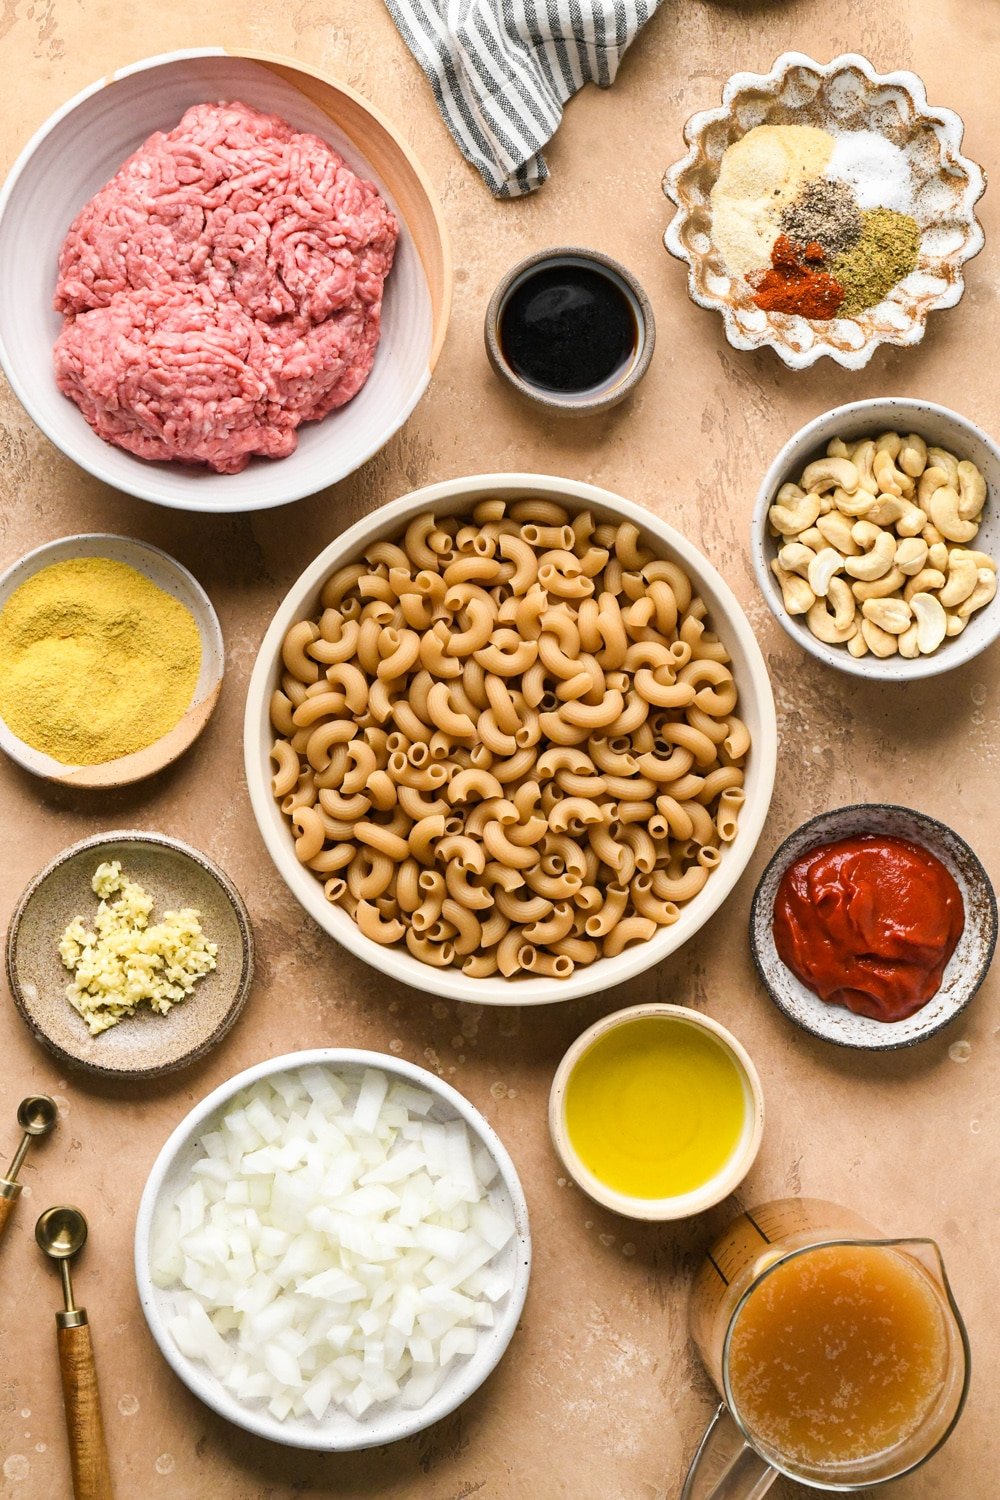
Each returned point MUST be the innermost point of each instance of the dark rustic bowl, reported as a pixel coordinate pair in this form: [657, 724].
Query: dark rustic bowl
[569, 403]
[146, 1044]
[966, 969]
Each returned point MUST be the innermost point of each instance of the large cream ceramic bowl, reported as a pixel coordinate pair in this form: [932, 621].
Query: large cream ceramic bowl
[82, 146]
[756, 707]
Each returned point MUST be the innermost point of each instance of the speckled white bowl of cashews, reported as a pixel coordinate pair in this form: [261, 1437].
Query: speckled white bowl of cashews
[882, 561]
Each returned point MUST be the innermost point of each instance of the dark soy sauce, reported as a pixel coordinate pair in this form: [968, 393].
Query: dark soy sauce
[568, 328]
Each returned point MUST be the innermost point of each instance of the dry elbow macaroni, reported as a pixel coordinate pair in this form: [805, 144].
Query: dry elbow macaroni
[874, 545]
[509, 741]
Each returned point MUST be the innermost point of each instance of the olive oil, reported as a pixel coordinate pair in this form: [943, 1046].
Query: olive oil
[839, 1355]
[656, 1107]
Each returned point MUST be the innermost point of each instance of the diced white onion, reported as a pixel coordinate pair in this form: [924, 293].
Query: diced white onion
[333, 1245]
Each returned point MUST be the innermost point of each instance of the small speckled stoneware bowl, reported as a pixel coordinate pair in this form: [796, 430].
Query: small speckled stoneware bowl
[939, 427]
[81, 147]
[181, 585]
[573, 403]
[966, 969]
[146, 1044]
[845, 94]
[685, 1204]
[388, 1421]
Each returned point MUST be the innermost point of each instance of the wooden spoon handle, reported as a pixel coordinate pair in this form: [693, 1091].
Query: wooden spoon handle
[84, 1425]
[6, 1209]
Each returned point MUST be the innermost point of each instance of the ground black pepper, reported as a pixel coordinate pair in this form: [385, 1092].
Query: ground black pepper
[826, 212]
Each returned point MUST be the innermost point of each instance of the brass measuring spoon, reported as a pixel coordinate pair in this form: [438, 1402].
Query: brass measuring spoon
[36, 1115]
[61, 1233]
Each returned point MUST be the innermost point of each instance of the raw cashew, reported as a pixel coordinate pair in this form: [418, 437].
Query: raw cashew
[812, 537]
[796, 593]
[942, 458]
[878, 557]
[943, 511]
[939, 553]
[984, 591]
[962, 580]
[837, 530]
[932, 622]
[912, 455]
[889, 479]
[971, 491]
[931, 535]
[881, 588]
[857, 645]
[858, 504]
[795, 558]
[893, 615]
[930, 480]
[825, 504]
[822, 568]
[863, 459]
[840, 596]
[837, 448]
[824, 625]
[956, 624]
[913, 522]
[928, 580]
[791, 518]
[907, 642]
[880, 642]
[831, 473]
[981, 559]
[889, 442]
[911, 555]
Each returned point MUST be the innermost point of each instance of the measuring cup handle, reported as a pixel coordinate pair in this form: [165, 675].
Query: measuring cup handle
[84, 1425]
[7, 1201]
[725, 1467]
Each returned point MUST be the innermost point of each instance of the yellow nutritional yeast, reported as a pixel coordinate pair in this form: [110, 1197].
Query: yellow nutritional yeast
[655, 1107]
[96, 661]
[839, 1355]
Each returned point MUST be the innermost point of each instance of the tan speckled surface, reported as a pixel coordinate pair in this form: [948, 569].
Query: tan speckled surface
[599, 1398]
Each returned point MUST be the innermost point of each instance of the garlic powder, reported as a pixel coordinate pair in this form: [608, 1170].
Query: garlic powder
[125, 961]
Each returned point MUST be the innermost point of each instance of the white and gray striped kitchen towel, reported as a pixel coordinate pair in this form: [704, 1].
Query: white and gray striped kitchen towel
[501, 71]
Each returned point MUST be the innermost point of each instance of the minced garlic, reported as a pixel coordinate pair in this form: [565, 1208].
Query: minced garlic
[125, 961]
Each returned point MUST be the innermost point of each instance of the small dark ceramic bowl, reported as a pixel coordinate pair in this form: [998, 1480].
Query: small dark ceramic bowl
[966, 969]
[570, 403]
[146, 1044]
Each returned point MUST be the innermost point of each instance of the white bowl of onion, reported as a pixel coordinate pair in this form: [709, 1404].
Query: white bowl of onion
[332, 1249]
[456, 498]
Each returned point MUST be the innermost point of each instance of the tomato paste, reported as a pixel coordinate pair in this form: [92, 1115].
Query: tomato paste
[869, 923]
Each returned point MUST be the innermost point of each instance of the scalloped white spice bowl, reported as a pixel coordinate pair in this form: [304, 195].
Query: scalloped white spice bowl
[844, 94]
[457, 496]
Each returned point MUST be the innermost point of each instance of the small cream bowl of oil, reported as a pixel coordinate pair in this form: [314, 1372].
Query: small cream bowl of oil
[657, 1112]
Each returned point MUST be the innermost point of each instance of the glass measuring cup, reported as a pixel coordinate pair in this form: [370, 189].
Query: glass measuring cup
[731, 1462]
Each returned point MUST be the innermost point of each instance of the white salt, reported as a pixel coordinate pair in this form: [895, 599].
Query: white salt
[877, 170]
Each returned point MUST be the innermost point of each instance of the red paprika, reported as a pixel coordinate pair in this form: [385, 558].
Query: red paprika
[792, 285]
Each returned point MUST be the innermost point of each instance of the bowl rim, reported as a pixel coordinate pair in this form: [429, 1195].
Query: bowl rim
[161, 840]
[451, 983]
[849, 811]
[569, 403]
[262, 1424]
[138, 764]
[903, 78]
[200, 504]
[683, 1205]
[871, 667]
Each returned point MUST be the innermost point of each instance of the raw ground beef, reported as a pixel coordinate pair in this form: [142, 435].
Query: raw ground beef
[223, 287]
